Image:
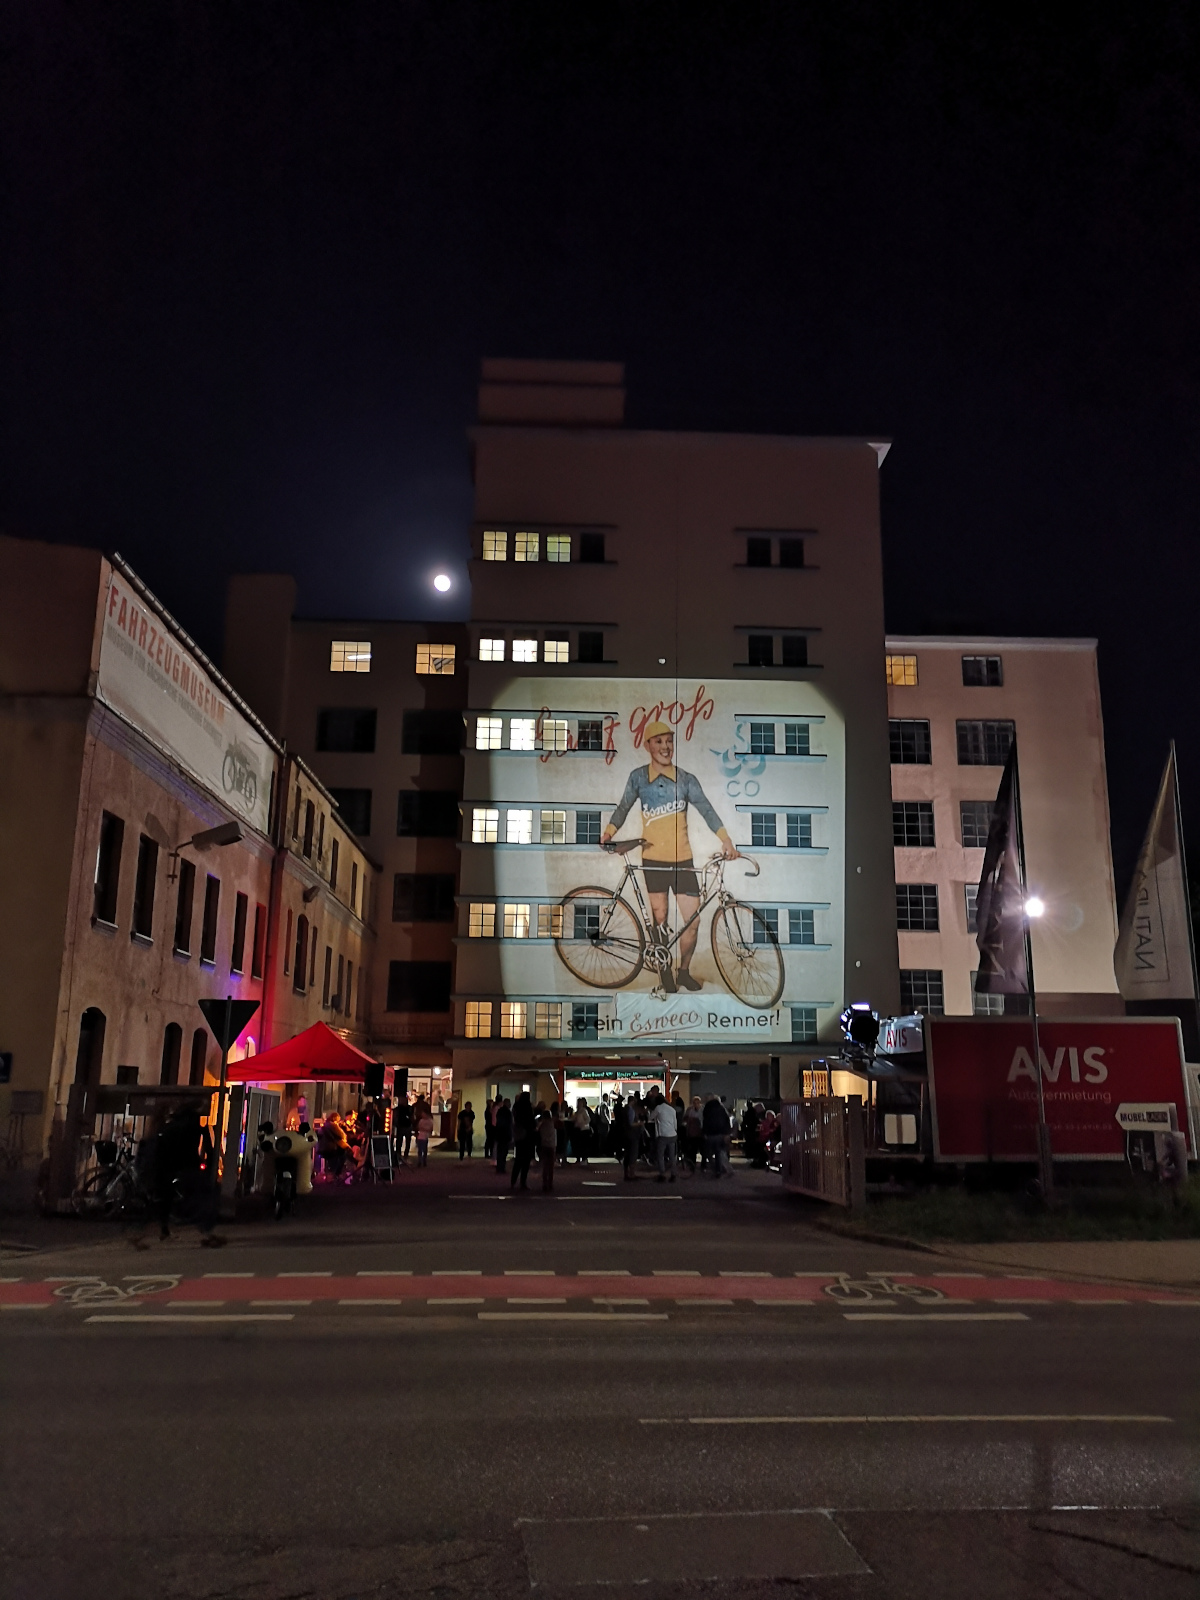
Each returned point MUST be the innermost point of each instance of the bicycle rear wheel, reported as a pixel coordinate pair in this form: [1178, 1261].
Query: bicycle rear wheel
[602, 942]
[747, 955]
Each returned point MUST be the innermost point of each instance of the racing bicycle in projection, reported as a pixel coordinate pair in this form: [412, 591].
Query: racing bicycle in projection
[604, 941]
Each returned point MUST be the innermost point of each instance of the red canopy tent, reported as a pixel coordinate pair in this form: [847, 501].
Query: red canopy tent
[318, 1055]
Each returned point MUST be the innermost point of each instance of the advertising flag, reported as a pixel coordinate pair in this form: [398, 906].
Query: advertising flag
[1153, 956]
[1000, 907]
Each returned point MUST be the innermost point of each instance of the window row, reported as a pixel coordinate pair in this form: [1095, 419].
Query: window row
[769, 830]
[779, 739]
[917, 907]
[774, 549]
[354, 655]
[308, 828]
[245, 944]
[913, 827]
[980, 743]
[489, 919]
[776, 650]
[575, 1019]
[978, 672]
[351, 730]
[172, 1053]
[550, 646]
[301, 957]
[539, 733]
[503, 544]
[922, 990]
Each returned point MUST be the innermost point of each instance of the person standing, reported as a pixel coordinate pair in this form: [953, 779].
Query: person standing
[666, 1130]
[402, 1129]
[717, 1127]
[424, 1119]
[547, 1139]
[525, 1134]
[581, 1132]
[466, 1132]
[489, 1130]
[182, 1145]
[502, 1127]
[635, 1121]
[693, 1133]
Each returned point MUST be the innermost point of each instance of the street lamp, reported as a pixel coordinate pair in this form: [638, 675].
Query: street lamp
[1035, 907]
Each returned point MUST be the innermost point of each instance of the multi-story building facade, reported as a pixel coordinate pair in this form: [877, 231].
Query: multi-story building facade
[955, 705]
[725, 590]
[145, 866]
[375, 708]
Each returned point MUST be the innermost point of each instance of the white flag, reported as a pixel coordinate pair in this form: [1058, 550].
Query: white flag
[1153, 957]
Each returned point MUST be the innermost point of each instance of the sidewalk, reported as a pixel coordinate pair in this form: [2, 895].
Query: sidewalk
[1167, 1263]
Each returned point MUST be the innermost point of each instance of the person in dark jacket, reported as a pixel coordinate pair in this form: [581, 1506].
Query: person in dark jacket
[524, 1120]
[502, 1132]
[466, 1132]
[717, 1128]
[183, 1144]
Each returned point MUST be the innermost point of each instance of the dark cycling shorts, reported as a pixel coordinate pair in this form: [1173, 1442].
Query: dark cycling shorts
[680, 876]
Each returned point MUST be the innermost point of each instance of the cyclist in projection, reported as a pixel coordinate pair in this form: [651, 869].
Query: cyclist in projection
[665, 792]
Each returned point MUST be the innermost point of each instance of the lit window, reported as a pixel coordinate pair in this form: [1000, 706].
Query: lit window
[350, 655]
[522, 732]
[796, 738]
[550, 923]
[495, 547]
[901, 671]
[518, 827]
[512, 1019]
[525, 546]
[516, 922]
[477, 1024]
[558, 548]
[435, 660]
[547, 1019]
[481, 923]
[524, 649]
[489, 733]
[556, 650]
[491, 649]
[555, 734]
[554, 827]
[485, 825]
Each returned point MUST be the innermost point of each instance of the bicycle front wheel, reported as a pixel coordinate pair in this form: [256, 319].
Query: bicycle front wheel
[747, 955]
[602, 942]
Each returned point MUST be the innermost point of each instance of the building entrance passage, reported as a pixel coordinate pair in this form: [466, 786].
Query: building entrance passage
[593, 1089]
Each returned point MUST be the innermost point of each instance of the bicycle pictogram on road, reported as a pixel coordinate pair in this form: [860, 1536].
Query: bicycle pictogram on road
[878, 1286]
[97, 1291]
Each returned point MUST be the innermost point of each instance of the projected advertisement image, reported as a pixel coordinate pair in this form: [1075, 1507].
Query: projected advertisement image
[666, 860]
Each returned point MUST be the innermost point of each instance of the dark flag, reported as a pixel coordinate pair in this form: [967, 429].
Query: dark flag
[1000, 906]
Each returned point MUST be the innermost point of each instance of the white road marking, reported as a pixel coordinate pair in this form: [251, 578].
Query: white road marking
[281, 1302]
[704, 1302]
[456, 1300]
[390, 1272]
[536, 1300]
[935, 1316]
[745, 1274]
[224, 1316]
[617, 1300]
[572, 1316]
[304, 1274]
[855, 1421]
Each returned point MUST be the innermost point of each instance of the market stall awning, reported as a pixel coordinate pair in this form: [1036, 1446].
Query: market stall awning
[318, 1055]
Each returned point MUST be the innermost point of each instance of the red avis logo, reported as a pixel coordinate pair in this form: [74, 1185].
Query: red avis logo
[1066, 1055]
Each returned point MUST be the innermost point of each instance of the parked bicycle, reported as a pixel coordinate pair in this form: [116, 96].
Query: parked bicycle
[605, 942]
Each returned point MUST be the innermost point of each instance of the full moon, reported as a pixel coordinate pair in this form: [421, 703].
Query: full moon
[441, 583]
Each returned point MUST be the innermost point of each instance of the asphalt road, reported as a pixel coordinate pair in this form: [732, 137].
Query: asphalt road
[410, 1420]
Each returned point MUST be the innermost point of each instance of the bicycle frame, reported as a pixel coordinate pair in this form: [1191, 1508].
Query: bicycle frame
[712, 888]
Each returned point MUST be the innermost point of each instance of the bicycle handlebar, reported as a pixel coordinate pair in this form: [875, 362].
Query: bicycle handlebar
[717, 859]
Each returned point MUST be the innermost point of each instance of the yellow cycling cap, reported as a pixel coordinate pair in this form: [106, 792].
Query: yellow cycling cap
[653, 730]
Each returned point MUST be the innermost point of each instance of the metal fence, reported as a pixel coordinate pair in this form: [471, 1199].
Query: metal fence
[824, 1150]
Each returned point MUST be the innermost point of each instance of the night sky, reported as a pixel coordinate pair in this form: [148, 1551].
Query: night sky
[253, 253]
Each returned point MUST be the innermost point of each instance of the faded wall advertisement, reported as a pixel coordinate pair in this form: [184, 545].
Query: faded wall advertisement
[148, 676]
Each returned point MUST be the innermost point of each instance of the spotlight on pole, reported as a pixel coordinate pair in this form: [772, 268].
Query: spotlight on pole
[1035, 907]
[441, 583]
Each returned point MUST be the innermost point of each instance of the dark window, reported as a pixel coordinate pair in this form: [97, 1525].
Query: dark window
[312, 953]
[143, 888]
[328, 976]
[126, 1077]
[108, 868]
[591, 736]
[348, 999]
[585, 1019]
[921, 990]
[791, 552]
[432, 733]
[241, 912]
[310, 817]
[796, 739]
[296, 814]
[762, 830]
[795, 650]
[208, 928]
[591, 647]
[321, 834]
[171, 1051]
[984, 744]
[909, 741]
[418, 986]
[258, 951]
[300, 964]
[587, 921]
[183, 907]
[287, 944]
[346, 728]
[423, 897]
[591, 547]
[802, 927]
[912, 823]
[975, 821]
[799, 830]
[762, 738]
[760, 650]
[355, 807]
[767, 918]
[198, 1058]
[758, 552]
[982, 672]
[333, 864]
[428, 814]
[341, 978]
[587, 827]
[804, 1024]
[917, 907]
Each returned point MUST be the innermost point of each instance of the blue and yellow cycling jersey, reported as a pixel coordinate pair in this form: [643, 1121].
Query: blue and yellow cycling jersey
[664, 801]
